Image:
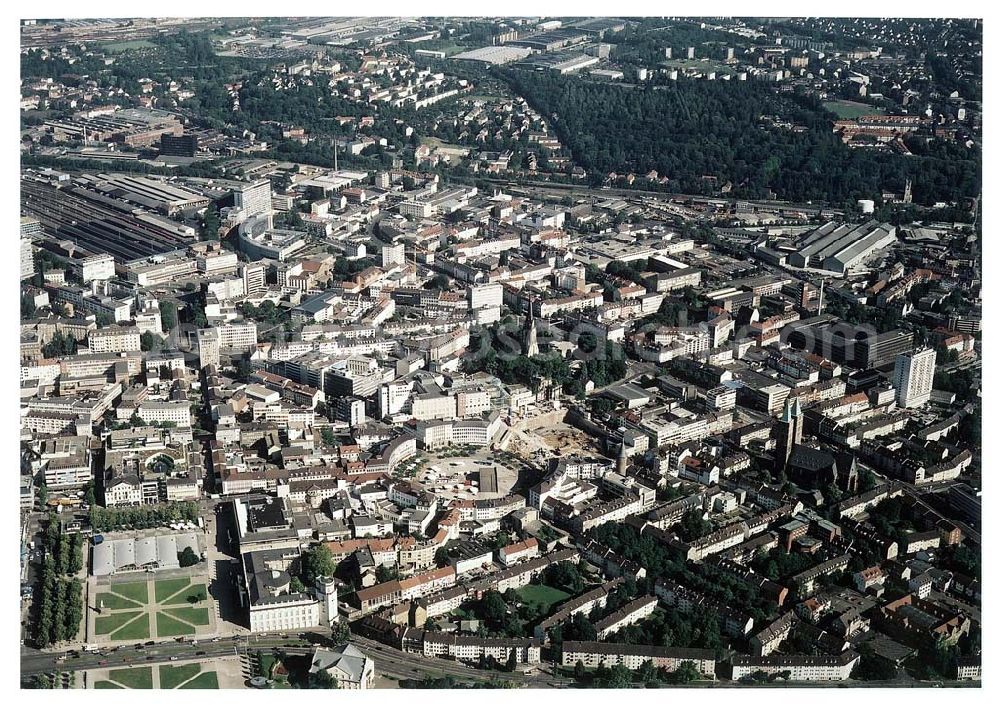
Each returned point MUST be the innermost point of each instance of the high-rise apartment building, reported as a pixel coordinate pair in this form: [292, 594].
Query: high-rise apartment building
[914, 377]
[393, 254]
[209, 345]
[254, 277]
[253, 198]
[27, 258]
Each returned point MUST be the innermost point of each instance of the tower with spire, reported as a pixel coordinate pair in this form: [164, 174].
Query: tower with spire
[621, 465]
[531, 336]
[789, 431]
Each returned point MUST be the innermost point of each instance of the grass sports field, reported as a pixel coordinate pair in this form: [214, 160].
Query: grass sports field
[848, 110]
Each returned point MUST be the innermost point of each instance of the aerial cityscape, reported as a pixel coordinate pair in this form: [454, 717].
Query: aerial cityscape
[500, 353]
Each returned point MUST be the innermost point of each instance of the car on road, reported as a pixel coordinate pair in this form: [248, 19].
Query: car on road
[103, 663]
[173, 658]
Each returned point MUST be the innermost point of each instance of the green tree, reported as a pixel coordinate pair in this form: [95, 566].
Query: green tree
[187, 557]
[103, 319]
[693, 525]
[150, 342]
[168, 315]
[441, 558]
[27, 307]
[493, 608]
[579, 628]
[685, 674]
[323, 679]
[328, 438]
[243, 369]
[564, 575]
[384, 574]
[60, 345]
[316, 562]
[210, 224]
[872, 667]
[76, 553]
[619, 677]
[340, 633]
[646, 672]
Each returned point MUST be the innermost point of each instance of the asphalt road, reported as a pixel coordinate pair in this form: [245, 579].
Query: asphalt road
[33, 661]
[400, 664]
[388, 661]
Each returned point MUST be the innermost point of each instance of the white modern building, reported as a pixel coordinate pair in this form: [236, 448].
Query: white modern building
[114, 340]
[797, 668]
[393, 254]
[913, 377]
[253, 198]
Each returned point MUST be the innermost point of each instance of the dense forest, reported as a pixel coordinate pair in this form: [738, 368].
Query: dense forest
[644, 40]
[174, 55]
[693, 129]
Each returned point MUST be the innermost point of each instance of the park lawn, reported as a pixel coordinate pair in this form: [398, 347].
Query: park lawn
[106, 624]
[106, 684]
[194, 616]
[847, 110]
[136, 591]
[115, 602]
[209, 679]
[133, 677]
[170, 587]
[181, 597]
[169, 626]
[133, 630]
[541, 594]
[174, 676]
[266, 661]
